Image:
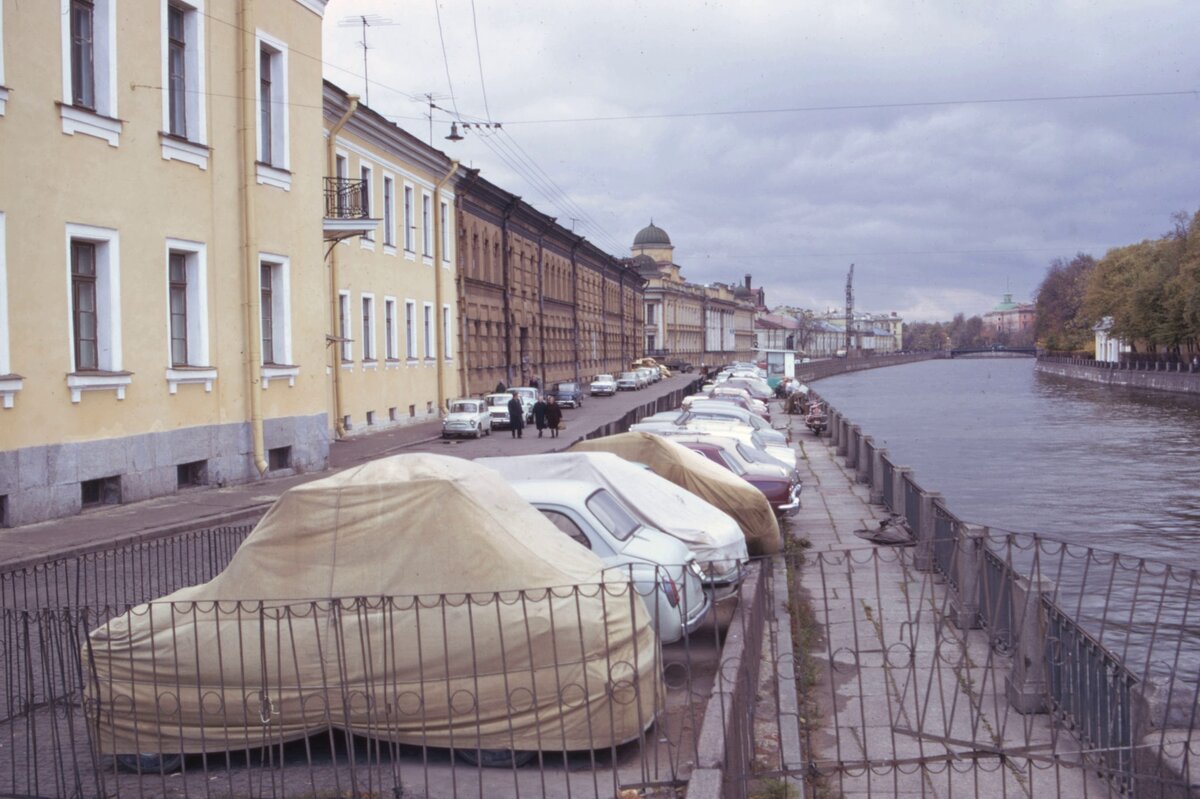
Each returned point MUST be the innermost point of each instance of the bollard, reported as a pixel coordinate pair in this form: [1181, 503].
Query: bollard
[833, 426]
[852, 445]
[862, 464]
[876, 497]
[898, 492]
[924, 557]
[843, 435]
[967, 567]
[1026, 684]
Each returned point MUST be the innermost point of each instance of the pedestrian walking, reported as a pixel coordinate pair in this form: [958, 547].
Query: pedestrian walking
[553, 416]
[516, 416]
[539, 415]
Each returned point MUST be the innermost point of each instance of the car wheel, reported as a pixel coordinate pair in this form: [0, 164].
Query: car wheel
[149, 763]
[478, 432]
[495, 758]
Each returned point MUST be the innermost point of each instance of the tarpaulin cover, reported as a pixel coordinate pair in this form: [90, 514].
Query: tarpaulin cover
[709, 532]
[702, 477]
[541, 655]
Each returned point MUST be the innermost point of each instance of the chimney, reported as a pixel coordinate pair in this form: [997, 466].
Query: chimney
[747, 281]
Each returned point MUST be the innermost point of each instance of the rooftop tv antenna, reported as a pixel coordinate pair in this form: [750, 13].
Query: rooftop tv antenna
[366, 21]
[849, 307]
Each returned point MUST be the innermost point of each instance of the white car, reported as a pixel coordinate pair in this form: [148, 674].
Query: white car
[498, 409]
[712, 535]
[529, 397]
[730, 412]
[660, 567]
[628, 381]
[467, 417]
[783, 457]
[645, 377]
[603, 386]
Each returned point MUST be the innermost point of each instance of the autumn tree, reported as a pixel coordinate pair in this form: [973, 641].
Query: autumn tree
[1060, 324]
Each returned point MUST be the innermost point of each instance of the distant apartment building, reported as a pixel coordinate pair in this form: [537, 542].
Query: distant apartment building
[163, 300]
[537, 300]
[394, 315]
[685, 321]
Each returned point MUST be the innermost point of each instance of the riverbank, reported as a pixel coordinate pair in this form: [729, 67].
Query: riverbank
[1174, 379]
[829, 367]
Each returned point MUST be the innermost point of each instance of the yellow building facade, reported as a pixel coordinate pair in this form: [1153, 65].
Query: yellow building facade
[394, 316]
[163, 297]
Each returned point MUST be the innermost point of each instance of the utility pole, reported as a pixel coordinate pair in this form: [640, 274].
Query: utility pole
[849, 308]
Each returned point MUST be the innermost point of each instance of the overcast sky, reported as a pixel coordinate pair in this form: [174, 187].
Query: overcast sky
[788, 139]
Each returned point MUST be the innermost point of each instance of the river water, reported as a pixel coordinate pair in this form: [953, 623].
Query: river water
[1015, 450]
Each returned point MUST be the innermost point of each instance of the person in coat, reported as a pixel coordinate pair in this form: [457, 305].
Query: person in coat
[539, 415]
[516, 416]
[553, 416]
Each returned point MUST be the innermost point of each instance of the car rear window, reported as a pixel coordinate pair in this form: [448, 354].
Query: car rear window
[612, 514]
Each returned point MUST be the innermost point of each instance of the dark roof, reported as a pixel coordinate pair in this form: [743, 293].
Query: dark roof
[651, 235]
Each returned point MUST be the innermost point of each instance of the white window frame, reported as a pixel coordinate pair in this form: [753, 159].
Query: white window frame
[10, 383]
[367, 174]
[445, 215]
[346, 345]
[109, 376]
[101, 122]
[410, 330]
[427, 330]
[281, 319]
[427, 227]
[391, 333]
[192, 146]
[366, 308]
[277, 172]
[447, 349]
[389, 213]
[410, 219]
[198, 368]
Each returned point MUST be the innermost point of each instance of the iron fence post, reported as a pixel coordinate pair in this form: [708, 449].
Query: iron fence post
[1026, 685]
[923, 557]
[968, 572]
[877, 495]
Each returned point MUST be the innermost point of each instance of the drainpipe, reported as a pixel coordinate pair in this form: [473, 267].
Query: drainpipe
[541, 314]
[508, 312]
[247, 118]
[335, 356]
[442, 330]
[575, 303]
[464, 345]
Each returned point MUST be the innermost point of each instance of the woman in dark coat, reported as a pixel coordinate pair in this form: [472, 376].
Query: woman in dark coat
[553, 416]
[539, 415]
[516, 416]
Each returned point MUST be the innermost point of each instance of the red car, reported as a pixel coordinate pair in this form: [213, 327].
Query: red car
[782, 493]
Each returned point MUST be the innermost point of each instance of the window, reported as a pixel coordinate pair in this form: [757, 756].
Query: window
[183, 81]
[187, 315]
[177, 307]
[447, 352]
[445, 211]
[410, 329]
[275, 314]
[389, 212]
[272, 99]
[89, 66]
[389, 328]
[93, 266]
[344, 326]
[428, 330]
[9, 384]
[368, 327]
[409, 221]
[365, 173]
[426, 226]
[342, 170]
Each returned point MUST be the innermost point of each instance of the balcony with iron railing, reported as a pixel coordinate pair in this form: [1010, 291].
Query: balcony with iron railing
[347, 209]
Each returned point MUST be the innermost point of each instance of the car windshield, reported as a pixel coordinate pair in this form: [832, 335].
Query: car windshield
[603, 379]
[499, 400]
[612, 514]
[733, 463]
[566, 386]
[464, 407]
[628, 376]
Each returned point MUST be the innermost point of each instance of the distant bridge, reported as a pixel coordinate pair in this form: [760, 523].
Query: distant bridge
[994, 352]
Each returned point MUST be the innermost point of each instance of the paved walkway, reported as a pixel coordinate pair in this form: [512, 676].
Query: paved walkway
[903, 702]
[199, 508]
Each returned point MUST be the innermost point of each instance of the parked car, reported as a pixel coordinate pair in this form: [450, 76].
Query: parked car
[726, 410]
[498, 409]
[628, 381]
[419, 560]
[680, 367]
[710, 534]
[780, 460]
[569, 395]
[467, 417]
[758, 389]
[603, 386]
[782, 493]
[734, 399]
[713, 483]
[660, 567]
[646, 375]
[529, 397]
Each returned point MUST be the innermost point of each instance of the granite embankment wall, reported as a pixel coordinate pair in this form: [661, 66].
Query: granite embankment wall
[1176, 378]
[815, 370]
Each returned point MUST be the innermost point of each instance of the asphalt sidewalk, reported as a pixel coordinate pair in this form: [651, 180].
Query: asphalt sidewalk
[199, 508]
